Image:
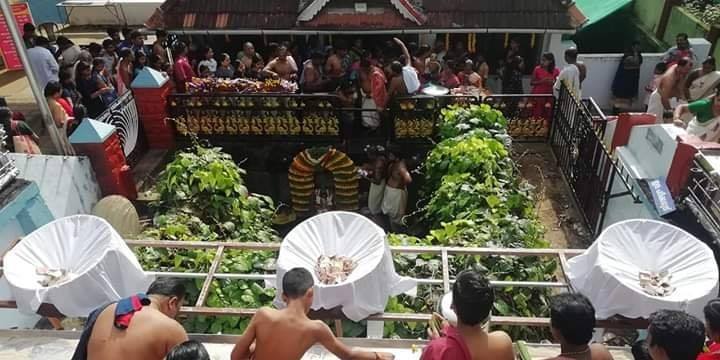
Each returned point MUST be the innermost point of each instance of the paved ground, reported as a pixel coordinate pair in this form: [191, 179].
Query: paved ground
[45, 345]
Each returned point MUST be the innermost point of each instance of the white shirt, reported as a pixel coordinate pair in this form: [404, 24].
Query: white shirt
[43, 65]
[570, 74]
[211, 65]
[70, 55]
[410, 77]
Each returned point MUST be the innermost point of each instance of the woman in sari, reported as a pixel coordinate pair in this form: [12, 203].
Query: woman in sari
[701, 83]
[626, 83]
[706, 121]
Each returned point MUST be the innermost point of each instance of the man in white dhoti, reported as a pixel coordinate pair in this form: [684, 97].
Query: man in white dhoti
[671, 86]
[395, 197]
[701, 83]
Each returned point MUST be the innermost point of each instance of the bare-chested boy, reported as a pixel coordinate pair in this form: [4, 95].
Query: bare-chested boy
[147, 333]
[473, 299]
[281, 67]
[671, 85]
[287, 334]
[395, 197]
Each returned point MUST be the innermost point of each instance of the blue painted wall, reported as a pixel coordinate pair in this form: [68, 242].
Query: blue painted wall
[44, 11]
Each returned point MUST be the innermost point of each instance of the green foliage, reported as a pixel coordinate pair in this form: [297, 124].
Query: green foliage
[474, 154]
[206, 183]
[707, 11]
[202, 198]
[476, 199]
[459, 119]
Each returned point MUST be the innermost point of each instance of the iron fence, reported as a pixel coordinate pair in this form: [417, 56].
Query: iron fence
[587, 166]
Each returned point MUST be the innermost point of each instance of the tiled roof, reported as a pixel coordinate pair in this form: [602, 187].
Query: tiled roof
[230, 14]
[440, 14]
[386, 20]
[498, 14]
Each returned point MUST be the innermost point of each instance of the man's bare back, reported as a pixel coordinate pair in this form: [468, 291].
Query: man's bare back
[399, 176]
[150, 336]
[297, 334]
[496, 345]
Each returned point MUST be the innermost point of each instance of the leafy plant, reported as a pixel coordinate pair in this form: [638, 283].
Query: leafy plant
[206, 183]
[473, 154]
[459, 119]
[202, 198]
[707, 11]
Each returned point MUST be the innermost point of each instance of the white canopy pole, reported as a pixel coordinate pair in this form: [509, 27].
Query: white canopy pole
[59, 140]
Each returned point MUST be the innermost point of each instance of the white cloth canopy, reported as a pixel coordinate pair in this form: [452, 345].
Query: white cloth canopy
[352, 235]
[607, 273]
[100, 265]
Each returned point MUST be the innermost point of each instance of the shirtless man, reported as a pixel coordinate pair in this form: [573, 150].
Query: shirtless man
[150, 333]
[375, 172]
[405, 79]
[280, 67]
[671, 85]
[311, 79]
[334, 68]
[287, 334]
[395, 197]
[473, 300]
[572, 323]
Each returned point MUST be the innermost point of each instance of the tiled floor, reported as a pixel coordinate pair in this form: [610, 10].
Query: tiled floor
[40, 345]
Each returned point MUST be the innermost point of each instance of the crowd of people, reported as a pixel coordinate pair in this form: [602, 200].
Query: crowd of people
[143, 327]
[83, 82]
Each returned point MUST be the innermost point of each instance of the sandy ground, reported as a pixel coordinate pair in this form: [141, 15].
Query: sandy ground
[556, 209]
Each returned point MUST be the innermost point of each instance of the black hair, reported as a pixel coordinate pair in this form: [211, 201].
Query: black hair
[424, 49]
[111, 31]
[473, 297]
[97, 61]
[155, 59]
[169, 287]
[135, 34]
[573, 316]
[125, 32]
[62, 41]
[682, 35]
[682, 336]
[712, 309]
[64, 75]
[640, 351]
[28, 28]
[224, 56]
[365, 63]
[317, 55]
[81, 66]
[94, 48]
[107, 42]
[179, 48]
[189, 350]
[297, 282]
[80, 112]
[551, 58]
[124, 53]
[161, 33]
[5, 115]
[42, 41]
[571, 53]
[709, 61]
[53, 88]
[661, 67]
[203, 68]
[396, 67]
[206, 50]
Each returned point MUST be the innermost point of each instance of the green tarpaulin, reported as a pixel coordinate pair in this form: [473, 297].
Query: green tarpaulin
[596, 10]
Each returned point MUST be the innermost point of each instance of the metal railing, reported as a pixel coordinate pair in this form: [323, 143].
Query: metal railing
[8, 171]
[587, 166]
[702, 196]
[321, 116]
